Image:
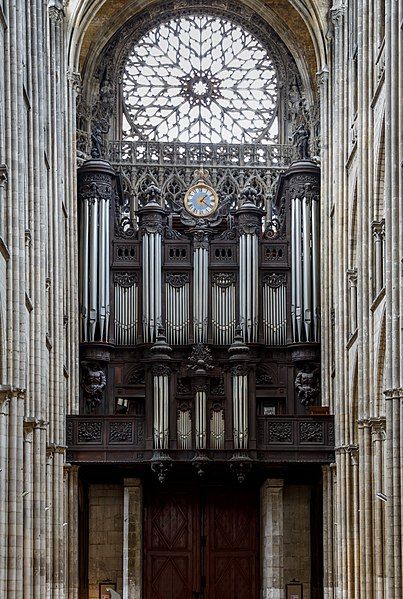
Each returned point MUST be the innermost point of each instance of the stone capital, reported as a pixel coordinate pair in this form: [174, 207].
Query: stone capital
[394, 393]
[378, 429]
[3, 175]
[378, 229]
[352, 276]
[56, 10]
[75, 79]
[132, 482]
[337, 14]
[273, 483]
[322, 76]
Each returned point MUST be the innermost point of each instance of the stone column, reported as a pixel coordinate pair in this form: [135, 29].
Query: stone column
[271, 508]
[132, 538]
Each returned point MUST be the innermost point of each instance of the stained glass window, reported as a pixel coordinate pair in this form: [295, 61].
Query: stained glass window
[203, 79]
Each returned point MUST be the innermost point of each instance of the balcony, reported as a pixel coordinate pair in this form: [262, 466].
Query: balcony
[123, 439]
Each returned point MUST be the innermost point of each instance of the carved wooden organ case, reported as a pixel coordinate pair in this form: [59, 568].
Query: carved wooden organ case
[201, 330]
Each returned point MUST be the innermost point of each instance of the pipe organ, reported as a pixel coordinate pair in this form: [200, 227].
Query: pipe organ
[96, 192]
[223, 313]
[303, 190]
[217, 312]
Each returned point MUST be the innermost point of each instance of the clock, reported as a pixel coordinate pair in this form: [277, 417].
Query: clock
[201, 200]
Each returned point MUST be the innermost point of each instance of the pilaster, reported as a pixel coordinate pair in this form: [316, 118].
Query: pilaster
[132, 538]
[272, 552]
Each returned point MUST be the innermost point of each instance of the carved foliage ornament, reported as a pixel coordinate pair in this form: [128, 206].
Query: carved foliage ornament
[177, 280]
[311, 432]
[304, 186]
[200, 358]
[95, 186]
[161, 370]
[224, 279]
[125, 279]
[275, 280]
[88, 432]
[280, 432]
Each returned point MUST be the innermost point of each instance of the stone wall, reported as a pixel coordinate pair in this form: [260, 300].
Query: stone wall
[105, 537]
[297, 536]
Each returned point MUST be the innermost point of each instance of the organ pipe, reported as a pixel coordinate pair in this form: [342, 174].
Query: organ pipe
[201, 419]
[151, 228]
[200, 287]
[161, 407]
[275, 309]
[303, 190]
[217, 429]
[177, 291]
[96, 180]
[250, 226]
[223, 308]
[184, 429]
[240, 407]
[126, 308]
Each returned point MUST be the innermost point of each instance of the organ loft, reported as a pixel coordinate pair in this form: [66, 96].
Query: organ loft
[200, 313]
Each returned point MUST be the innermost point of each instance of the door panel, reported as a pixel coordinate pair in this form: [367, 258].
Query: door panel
[201, 541]
[232, 536]
[171, 557]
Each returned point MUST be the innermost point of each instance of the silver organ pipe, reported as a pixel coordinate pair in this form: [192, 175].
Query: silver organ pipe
[161, 407]
[223, 308]
[93, 270]
[200, 419]
[250, 226]
[84, 268]
[298, 269]
[275, 309]
[240, 407]
[151, 228]
[315, 270]
[307, 272]
[177, 295]
[95, 191]
[305, 276]
[217, 428]
[126, 308]
[200, 291]
[184, 429]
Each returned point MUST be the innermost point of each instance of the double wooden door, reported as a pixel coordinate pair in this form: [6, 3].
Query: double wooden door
[201, 544]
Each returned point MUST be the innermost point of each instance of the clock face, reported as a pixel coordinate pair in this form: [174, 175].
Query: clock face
[201, 200]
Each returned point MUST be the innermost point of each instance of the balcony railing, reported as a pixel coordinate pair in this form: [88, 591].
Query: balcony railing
[122, 439]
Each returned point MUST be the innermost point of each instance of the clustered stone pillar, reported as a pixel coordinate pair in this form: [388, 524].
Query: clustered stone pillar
[132, 538]
[271, 508]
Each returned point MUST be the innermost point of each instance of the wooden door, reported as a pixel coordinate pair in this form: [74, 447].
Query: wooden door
[201, 544]
[171, 544]
[232, 544]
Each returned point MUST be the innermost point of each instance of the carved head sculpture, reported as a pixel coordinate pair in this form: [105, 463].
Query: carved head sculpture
[307, 384]
[93, 384]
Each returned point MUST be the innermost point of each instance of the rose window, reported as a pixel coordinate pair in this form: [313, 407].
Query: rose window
[201, 79]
